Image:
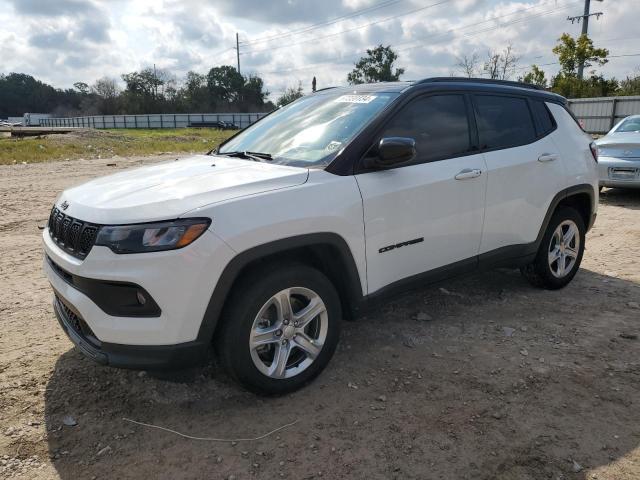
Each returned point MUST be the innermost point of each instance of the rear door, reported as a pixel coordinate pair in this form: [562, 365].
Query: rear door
[426, 214]
[525, 170]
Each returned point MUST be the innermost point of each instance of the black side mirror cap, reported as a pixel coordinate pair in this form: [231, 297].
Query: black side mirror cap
[392, 151]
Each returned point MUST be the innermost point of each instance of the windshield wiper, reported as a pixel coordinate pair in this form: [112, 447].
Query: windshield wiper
[255, 156]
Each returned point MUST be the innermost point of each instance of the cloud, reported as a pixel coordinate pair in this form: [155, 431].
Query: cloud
[65, 41]
[94, 29]
[284, 12]
[53, 40]
[53, 8]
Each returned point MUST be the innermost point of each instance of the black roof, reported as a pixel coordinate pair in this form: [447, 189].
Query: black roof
[451, 83]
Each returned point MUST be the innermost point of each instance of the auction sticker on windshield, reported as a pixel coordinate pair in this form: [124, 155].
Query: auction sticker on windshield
[355, 98]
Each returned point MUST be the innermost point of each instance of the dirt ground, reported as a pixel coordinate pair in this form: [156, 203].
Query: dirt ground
[482, 377]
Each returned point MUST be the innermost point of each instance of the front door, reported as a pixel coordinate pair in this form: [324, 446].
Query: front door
[428, 213]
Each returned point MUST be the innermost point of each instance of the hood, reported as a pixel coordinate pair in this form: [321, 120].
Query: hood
[168, 190]
[620, 145]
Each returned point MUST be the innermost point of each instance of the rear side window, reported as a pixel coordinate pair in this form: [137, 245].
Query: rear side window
[437, 123]
[503, 121]
[542, 115]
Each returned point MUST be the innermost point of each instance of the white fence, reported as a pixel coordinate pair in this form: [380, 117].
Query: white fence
[165, 120]
[598, 115]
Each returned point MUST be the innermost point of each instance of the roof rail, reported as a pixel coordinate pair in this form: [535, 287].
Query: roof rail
[322, 89]
[491, 81]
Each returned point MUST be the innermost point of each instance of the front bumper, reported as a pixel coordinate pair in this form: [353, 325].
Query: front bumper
[125, 356]
[180, 281]
[619, 172]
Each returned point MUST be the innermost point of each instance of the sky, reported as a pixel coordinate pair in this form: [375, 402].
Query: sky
[290, 41]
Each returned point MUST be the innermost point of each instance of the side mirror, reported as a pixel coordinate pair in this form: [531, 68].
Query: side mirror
[392, 151]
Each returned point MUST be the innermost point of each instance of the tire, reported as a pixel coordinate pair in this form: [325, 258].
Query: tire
[543, 272]
[257, 312]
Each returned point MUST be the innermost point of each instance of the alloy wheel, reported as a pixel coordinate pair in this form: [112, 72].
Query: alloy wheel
[288, 332]
[563, 248]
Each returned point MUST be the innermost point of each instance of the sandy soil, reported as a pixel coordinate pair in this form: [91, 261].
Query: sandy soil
[482, 377]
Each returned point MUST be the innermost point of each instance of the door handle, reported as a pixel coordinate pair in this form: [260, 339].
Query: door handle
[468, 173]
[547, 157]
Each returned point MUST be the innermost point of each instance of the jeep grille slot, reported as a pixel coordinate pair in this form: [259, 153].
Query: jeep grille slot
[72, 235]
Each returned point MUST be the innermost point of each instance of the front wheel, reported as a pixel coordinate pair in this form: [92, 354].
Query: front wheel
[560, 251]
[280, 329]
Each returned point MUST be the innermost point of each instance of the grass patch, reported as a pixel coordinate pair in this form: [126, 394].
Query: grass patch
[109, 143]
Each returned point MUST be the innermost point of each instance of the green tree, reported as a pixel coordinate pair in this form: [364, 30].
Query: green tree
[141, 92]
[107, 92]
[535, 76]
[594, 86]
[289, 95]
[145, 82]
[571, 52]
[195, 93]
[82, 88]
[21, 93]
[231, 91]
[377, 66]
[225, 84]
[630, 85]
[253, 94]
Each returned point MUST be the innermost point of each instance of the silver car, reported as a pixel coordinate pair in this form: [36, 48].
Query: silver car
[619, 155]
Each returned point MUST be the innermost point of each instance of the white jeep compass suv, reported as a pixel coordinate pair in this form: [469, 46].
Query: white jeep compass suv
[260, 248]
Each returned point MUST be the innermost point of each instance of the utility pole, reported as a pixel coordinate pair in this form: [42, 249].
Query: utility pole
[238, 51]
[585, 27]
[155, 82]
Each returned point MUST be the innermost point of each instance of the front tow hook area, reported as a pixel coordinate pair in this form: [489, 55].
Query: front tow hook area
[83, 345]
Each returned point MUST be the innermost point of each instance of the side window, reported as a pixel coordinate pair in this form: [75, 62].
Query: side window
[438, 124]
[542, 115]
[503, 121]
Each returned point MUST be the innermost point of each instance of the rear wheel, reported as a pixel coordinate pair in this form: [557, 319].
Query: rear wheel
[280, 331]
[560, 251]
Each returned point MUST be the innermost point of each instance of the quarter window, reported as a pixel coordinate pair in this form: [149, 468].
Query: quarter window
[438, 124]
[543, 117]
[503, 121]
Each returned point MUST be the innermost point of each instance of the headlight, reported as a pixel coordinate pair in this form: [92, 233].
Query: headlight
[152, 237]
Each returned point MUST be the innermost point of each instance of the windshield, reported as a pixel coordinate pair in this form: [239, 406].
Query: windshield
[310, 131]
[630, 125]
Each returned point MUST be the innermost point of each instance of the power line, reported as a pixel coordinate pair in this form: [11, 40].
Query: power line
[315, 39]
[308, 28]
[441, 34]
[494, 27]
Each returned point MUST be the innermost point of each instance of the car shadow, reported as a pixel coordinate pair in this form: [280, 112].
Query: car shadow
[480, 377]
[621, 197]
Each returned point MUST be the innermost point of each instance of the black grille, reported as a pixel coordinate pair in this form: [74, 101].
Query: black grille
[74, 236]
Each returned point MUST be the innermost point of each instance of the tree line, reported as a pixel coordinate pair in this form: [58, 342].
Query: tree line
[379, 66]
[222, 89]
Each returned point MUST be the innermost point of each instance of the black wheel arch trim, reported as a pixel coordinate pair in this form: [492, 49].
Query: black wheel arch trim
[583, 188]
[236, 266]
[512, 255]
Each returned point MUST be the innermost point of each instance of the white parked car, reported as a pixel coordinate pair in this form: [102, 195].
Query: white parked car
[260, 248]
[619, 155]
